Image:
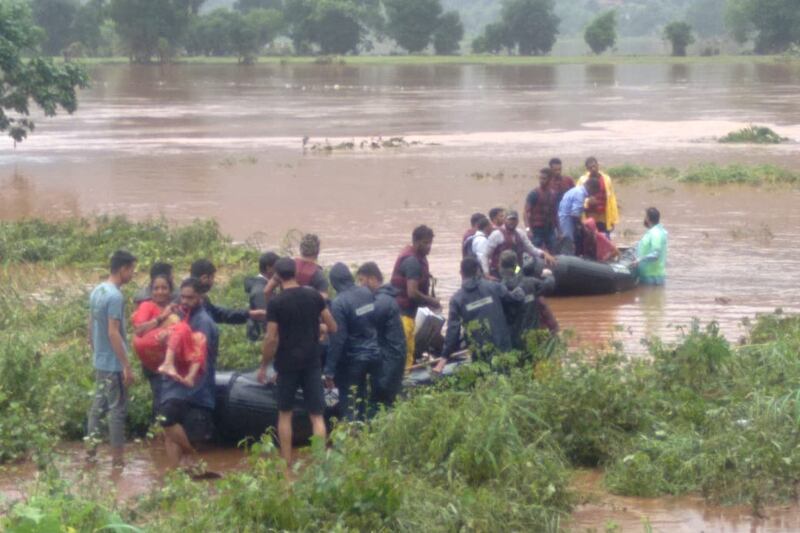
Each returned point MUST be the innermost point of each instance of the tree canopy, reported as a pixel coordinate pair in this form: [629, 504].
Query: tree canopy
[774, 25]
[531, 25]
[679, 34]
[27, 77]
[411, 23]
[448, 35]
[601, 33]
[148, 27]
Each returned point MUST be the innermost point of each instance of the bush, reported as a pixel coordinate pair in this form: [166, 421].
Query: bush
[753, 135]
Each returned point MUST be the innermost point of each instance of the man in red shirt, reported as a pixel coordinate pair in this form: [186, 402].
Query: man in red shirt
[559, 183]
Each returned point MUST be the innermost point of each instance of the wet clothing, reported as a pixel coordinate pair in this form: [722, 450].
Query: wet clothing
[410, 266]
[223, 315]
[607, 213]
[570, 209]
[297, 312]
[309, 380]
[541, 208]
[596, 245]
[480, 300]
[354, 355]
[110, 398]
[392, 344]
[151, 347]
[254, 287]
[203, 393]
[197, 422]
[504, 239]
[527, 316]
[106, 302]
[309, 274]
[651, 252]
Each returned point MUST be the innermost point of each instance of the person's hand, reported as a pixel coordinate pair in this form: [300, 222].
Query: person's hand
[329, 384]
[262, 375]
[127, 375]
[258, 314]
[439, 368]
[435, 305]
[271, 285]
[549, 260]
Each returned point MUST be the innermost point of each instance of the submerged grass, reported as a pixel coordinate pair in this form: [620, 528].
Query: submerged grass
[496, 444]
[709, 174]
[753, 135]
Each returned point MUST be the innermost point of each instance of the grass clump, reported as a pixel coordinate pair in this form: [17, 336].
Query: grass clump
[711, 174]
[753, 135]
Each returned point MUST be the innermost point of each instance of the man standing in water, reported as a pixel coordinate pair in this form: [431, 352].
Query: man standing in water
[187, 408]
[570, 213]
[540, 212]
[292, 342]
[651, 252]
[560, 183]
[113, 373]
[602, 205]
[412, 279]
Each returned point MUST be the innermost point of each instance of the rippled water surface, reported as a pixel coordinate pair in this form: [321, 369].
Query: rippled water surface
[223, 141]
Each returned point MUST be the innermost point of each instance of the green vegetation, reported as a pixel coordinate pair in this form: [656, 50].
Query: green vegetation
[601, 33]
[753, 135]
[27, 77]
[448, 35]
[710, 174]
[679, 34]
[527, 27]
[773, 25]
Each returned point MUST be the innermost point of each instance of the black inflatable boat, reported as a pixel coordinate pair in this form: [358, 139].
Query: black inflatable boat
[575, 276]
[247, 409]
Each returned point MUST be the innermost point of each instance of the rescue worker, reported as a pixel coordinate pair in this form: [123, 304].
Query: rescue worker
[560, 183]
[510, 237]
[353, 357]
[541, 212]
[308, 272]
[526, 317]
[570, 216]
[651, 252]
[204, 271]
[478, 308]
[391, 338]
[411, 277]
[602, 206]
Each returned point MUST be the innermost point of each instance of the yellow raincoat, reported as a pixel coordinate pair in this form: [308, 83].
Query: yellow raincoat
[611, 215]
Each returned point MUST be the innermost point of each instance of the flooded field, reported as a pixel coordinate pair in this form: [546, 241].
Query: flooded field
[196, 141]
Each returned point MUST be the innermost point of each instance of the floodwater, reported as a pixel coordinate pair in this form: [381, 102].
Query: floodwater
[224, 141]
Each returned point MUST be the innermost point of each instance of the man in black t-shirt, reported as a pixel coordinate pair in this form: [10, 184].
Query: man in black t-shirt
[292, 341]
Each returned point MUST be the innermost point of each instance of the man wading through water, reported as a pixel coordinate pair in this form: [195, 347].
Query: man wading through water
[113, 373]
[412, 279]
[292, 342]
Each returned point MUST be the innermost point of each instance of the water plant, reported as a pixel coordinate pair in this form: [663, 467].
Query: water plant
[753, 134]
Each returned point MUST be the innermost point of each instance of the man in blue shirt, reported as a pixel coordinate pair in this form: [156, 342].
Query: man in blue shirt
[570, 211]
[187, 412]
[113, 373]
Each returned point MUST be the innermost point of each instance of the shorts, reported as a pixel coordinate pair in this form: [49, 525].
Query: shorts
[197, 422]
[307, 379]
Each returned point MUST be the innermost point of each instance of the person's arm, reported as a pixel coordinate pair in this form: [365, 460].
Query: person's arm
[337, 339]
[422, 299]
[268, 350]
[319, 282]
[328, 321]
[269, 290]
[452, 336]
[530, 203]
[533, 251]
[223, 315]
[118, 345]
[154, 323]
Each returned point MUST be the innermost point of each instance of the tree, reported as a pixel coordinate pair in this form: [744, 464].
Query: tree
[773, 24]
[56, 18]
[411, 23]
[141, 23]
[27, 77]
[87, 28]
[447, 37]
[245, 6]
[253, 31]
[530, 25]
[337, 26]
[680, 35]
[707, 17]
[210, 34]
[601, 33]
[298, 15]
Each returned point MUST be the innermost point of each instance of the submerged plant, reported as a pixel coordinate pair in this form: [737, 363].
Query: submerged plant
[753, 135]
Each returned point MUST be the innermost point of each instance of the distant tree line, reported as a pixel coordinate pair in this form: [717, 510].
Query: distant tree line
[148, 30]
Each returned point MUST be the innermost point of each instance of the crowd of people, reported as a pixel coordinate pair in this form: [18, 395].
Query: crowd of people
[360, 342]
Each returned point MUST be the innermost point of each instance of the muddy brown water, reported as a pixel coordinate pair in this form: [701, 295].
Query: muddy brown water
[197, 141]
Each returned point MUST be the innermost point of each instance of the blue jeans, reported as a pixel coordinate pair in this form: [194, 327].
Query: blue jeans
[110, 398]
[544, 238]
